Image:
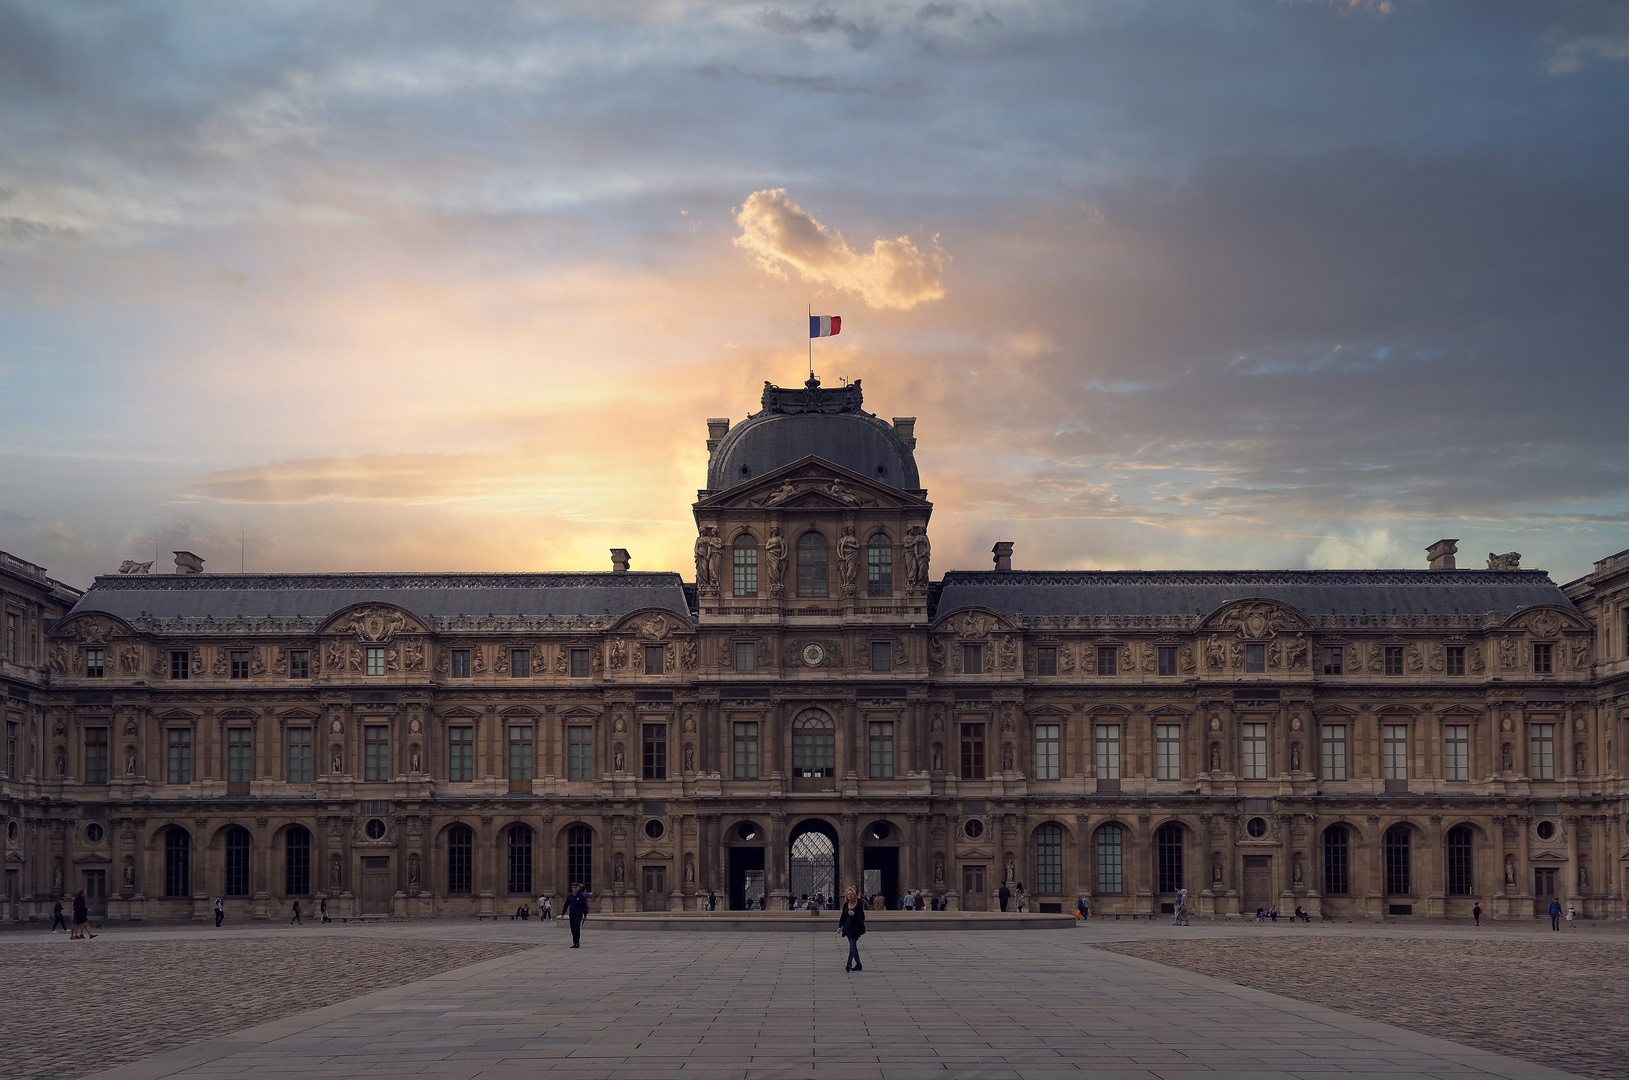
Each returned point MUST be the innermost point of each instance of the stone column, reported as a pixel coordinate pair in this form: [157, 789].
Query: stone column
[775, 862]
[853, 859]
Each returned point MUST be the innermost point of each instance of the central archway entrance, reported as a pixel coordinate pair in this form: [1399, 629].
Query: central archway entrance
[812, 864]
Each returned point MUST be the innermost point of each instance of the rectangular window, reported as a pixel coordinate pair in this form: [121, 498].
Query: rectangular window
[1108, 751]
[12, 727]
[881, 656]
[299, 664]
[299, 755]
[1047, 764]
[1332, 660]
[1049, 860]
[655, 751]
[1108, 660]
[461, 755]
[653, 659]
[880, 567]
[1253, 751]
[1110, 860]
[1167, 660]
[1255, 658]
[882, 750]
[972, 751]
[1394, 752]
[746, 656]
[96, 755]
[240, 663]
[580, 752]
[579, 663]
[376, 660]
[746, 750]
[1337, 860]
[178, 750]
[1456, 659]
[1168, 752]
[1394, 659]
[520, 663]
[1541, 751]
[520, 754]
[460, 663]
[746, 569]
[1046, 660]
[240, 755]
[973, 659]
[95, 663]
[1542, 651]
[1334, 752]
[95, 884]
[1456, 752]
[11, 638]
[812, 565]
[376, 745]
[180, 664]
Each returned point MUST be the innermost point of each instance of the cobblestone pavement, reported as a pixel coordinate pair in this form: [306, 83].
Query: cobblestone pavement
[990, 1005]
[73, 1007]
[1550, 998]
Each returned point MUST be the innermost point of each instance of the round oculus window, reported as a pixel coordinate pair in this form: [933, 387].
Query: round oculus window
[747, 831]
[1546, 830]
[654, 829]
[881, 831]
[94, 832]
[375, 828]
[813, 654]
[1256, 827]
[973, 829]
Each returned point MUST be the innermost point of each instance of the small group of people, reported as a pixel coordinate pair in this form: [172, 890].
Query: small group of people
[1555, 914]
[916, 900]
[1007, 895]
[81, 908]
[1267, 914]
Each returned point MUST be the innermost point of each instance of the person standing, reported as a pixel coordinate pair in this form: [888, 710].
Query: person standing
[1182, 908]
[1572, 913]
[82, 928]
[1476, 913]
[851, 924]
[1555, 913]
[322, 910]
[577, 911]
[1003, 894]
[1083, 910]
[220, 912]
[57, 918]
[1023, 897]
[296, 919]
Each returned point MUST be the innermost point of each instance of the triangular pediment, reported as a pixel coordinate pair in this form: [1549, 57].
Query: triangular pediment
[811, 483]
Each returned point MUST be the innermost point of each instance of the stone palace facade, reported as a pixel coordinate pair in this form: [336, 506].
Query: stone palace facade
[815, 709]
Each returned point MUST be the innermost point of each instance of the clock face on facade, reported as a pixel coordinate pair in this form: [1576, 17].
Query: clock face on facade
[813, 654]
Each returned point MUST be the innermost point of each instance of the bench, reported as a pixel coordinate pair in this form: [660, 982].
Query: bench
[493, 917]
[362, 918]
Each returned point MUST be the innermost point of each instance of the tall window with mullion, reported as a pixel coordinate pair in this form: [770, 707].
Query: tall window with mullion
[882, 750]
[1169, 842]
[814, 745]
[297, 861]
[1049, 860]
[461, 754]
[1461, 879]
[460, 860]
[177, 862]
[1541, 751]
[1253, 751]
[880, 566]
[1168, 752]
[580, 752]
[240, 755]
[1047, 758]
[655, 751]
[236, 881]
[812, 565]
[299, 754]
[520, 860]
[972, 751]
[1334, 752]
[520, 753]
[1394, 752]
[376, 748]
[746, 565]
[178, 750]
[1337, 860]
[1108, 751]
[746, 749]
[1399, 869]
[580, 856]
[96, 755]
[1456, 752]
[1110, 860]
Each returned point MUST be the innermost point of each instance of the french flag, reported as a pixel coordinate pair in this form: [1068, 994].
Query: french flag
[825, 325]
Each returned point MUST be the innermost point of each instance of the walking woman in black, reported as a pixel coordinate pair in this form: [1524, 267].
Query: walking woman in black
[851, 924]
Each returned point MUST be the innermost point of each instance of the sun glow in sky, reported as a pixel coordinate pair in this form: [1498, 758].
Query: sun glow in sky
[425, 286]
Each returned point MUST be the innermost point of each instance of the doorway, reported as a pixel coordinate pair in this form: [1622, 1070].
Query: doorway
[812, 863]
[376, 885]
[1543, 889]
[882, 874]
[1258, 883]
[655, 882]
[746, 878]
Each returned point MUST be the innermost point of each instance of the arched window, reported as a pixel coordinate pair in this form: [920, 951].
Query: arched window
[237, 862]
[1049, 860]
[812, 565]
[177, 862]
[1110, 859]
[880, 565]
[1398, 879]
[520, 860]
[460, 860]
[1168, 842]
[1337, 860]
[746, 565]
[1461, 880]
[580, 856]
[297, 861]
[814, 745]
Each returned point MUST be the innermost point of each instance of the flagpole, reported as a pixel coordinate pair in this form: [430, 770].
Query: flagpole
[811, 343]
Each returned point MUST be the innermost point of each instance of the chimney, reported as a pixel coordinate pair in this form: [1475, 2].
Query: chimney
[905, 428]
[1442, 554]
[188, 563]
[619, 560]
[717, 427]
[1003, 554]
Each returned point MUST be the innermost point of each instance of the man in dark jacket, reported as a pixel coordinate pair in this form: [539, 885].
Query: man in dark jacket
[851, 924]
[1004, 894]
[577, 911]
[1555, 913]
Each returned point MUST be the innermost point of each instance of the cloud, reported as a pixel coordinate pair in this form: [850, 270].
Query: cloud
[1570, 55]
[894, 274]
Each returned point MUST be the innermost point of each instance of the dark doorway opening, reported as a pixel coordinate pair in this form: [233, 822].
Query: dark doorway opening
[882, 874]
[1543, 889]
[746, 866]
[812, 863]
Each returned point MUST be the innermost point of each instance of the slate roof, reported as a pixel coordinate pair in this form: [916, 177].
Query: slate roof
[317, 596]
[1200, 592]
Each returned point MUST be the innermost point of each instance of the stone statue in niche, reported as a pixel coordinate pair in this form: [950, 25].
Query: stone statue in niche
[1295, 874]
[1006, 758]
[1506, 761]
[1583, 876]
[617, 761]
[848, 559]
[62, 762]
[918, 552]
[689, 758]
[938, 758]
[1012, 871]
[689, 870]
[129, 873]
[334, 874]
[1216, 872]
[413, 872]
[130, 761]
[709, 554]
[1510, 871]
[1578, 760]
[415, 761]
[775, 561]
[1215, 758]
[939, 870]
[56, 880]
[338, 762]
[617, 873]
[1295, 757]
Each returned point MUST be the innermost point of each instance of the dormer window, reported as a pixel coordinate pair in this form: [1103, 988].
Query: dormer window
[812, 565]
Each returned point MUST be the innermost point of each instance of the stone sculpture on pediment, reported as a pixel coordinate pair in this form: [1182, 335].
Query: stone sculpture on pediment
[690, 655]
[1507, 652]
[130, 659]
[619, 655]
[257, 662]
[1473, 659]
[936, 655]
[501, 664]
[1235, 654]
[1257, 620]
[477, 659]
[1275, 655]
[1510, 560]
[1413, 658]
[218, 668]
[376, 624]
[1299, 653]
[1580, 653]
[1007, 653]
[413, 656]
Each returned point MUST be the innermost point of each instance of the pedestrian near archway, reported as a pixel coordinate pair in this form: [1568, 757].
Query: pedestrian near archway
[851, 924]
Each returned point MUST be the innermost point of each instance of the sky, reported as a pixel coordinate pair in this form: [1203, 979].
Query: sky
[429, 286]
